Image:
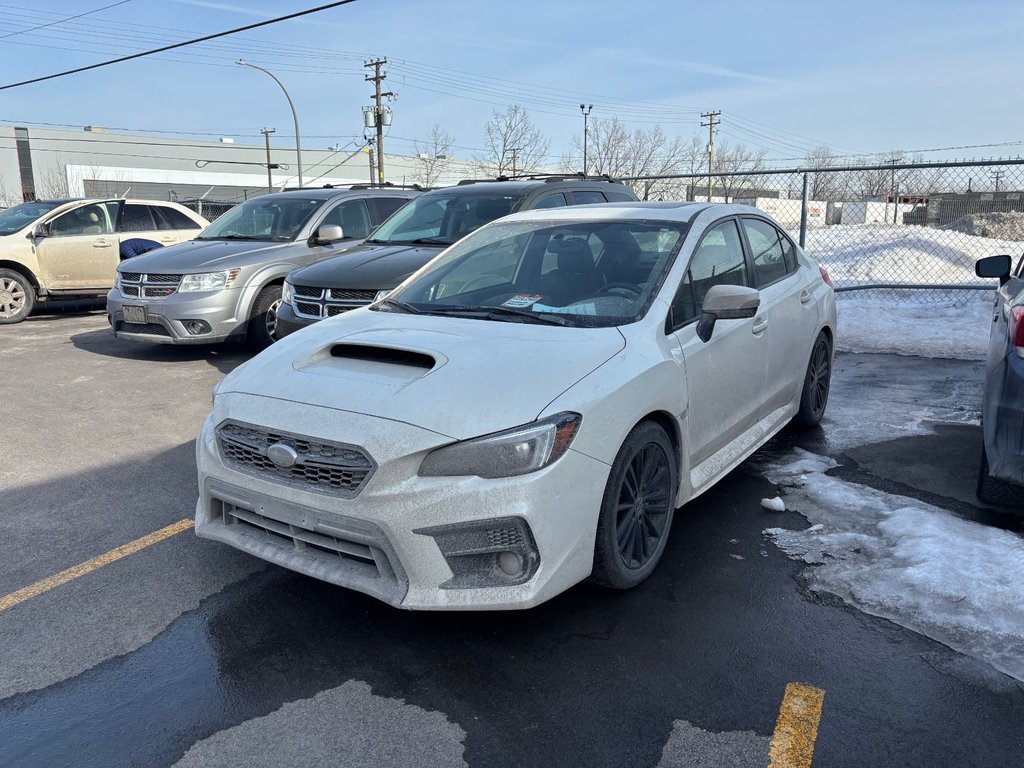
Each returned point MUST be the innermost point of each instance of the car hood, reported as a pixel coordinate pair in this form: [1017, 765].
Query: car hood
[206, 256]
[374, 267]
[457, 377]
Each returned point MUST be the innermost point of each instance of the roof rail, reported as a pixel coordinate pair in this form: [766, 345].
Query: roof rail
[550, 178]
[483, 181]
[362, 185]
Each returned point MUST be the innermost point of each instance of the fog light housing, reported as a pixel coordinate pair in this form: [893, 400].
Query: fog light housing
[486, 553]
[196, 327]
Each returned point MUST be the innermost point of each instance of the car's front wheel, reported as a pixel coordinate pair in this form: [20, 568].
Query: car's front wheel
[17, 297]
[263, 323]
[637, 508]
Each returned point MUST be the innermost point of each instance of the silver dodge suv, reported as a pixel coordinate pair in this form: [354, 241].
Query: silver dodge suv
[226, 284]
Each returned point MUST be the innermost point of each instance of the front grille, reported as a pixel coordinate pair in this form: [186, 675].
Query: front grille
[153, 329]
[337, 468]
[141, 284]
[350, 552]
[330, 301]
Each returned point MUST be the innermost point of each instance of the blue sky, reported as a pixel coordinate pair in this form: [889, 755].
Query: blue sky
[865, 77]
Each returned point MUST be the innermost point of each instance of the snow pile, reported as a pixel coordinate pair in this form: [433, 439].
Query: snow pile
[893, 254]
[955, 581]
[956, 327]
[1004, 225]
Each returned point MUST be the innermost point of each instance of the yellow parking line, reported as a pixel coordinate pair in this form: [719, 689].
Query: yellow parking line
[34, 590]
[796, 728]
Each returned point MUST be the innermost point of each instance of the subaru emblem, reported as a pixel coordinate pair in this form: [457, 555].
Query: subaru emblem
[282, 455]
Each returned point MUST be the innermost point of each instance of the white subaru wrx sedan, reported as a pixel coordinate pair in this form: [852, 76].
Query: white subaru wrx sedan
[526, 411]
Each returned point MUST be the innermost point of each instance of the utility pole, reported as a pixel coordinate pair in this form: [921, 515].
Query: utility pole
[711, 124]
[997, 175]
[377, 78]
[266, 135]
[369, 151]
[586, 113]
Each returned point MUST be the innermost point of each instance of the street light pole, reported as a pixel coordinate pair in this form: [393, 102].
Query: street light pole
[295, 116]
[586, 114]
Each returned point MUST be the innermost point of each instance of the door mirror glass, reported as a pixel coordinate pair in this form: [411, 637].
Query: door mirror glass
[993, 266]
[329, 233]
[40, 231]
[726, 302]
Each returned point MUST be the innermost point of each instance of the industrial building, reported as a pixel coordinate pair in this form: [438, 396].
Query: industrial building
[208, 176]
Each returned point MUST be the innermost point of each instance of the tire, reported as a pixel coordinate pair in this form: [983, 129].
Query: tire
[633, 528]
[263, 321]
[991, 490]
[817, 382]
[17, 297]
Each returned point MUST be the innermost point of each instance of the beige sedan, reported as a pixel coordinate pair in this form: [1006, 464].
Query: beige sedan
[70, 249]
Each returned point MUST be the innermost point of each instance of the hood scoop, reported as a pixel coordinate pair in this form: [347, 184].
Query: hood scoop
[385, 355]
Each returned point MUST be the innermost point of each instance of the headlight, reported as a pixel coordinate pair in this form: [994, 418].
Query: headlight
[515, 451]
[287, 293]
[208, 281]
[381, 294]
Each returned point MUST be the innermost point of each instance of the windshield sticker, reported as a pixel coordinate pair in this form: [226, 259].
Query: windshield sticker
[522, 300]
[583, 308]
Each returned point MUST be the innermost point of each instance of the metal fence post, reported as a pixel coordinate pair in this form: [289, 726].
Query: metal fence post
[803, 213]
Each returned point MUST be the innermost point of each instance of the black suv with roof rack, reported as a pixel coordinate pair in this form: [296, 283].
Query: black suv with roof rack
[421, 230]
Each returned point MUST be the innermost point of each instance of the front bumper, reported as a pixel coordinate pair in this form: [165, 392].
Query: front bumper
[288, 322]
[400, 518]
[169, 320]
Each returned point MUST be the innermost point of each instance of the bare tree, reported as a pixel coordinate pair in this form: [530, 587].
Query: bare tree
[733, 158]
[53, 182]
[512, 144]
[825, 185]
[432, 156]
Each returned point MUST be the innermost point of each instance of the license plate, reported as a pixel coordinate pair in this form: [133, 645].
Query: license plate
[134, 314]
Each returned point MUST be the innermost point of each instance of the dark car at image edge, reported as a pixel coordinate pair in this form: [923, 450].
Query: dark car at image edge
[420, 231]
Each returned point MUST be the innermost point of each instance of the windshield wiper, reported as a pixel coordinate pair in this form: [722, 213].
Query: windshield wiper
[231, 237]
[496, 313]
[401, 305]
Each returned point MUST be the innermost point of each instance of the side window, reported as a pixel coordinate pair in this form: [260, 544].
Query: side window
[137, 218]
[789, 253]
[172, 218]
[584, 196]
[383, 207]
[92, 219]
[766, 246]
[718, 260]
[352, 217]
[557, 200]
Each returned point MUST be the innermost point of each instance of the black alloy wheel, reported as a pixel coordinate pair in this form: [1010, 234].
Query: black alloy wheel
[817, 382]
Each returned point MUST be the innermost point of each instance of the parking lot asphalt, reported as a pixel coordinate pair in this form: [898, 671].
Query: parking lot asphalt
[187, 652]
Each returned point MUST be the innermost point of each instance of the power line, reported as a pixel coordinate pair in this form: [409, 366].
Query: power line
[182, 44]
[66, 18]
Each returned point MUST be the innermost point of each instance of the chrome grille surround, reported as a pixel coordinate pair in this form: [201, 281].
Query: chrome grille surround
[339, 469]
[150, 286]
[317, 303]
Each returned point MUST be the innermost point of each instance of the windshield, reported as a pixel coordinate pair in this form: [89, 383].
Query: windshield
[20, 216]
[278, 218]
[578, 273]
[440, 219]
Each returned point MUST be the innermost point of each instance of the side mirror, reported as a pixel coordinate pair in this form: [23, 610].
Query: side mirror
[726, 302]
[43, 230]
[994, 266]
[328, 233]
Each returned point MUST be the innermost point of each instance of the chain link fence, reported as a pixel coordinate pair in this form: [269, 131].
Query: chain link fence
[899, 231]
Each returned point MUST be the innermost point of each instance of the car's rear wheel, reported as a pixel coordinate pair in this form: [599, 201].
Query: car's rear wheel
[17, 297]
[636, 511]
[817, 382]
[263, 323]
[992, 490]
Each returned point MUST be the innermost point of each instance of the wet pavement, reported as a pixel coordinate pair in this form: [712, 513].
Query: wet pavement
[189, 652]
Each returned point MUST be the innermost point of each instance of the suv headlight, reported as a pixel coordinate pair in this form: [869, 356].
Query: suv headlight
[208, 281]
[287, 292]
[516, 451]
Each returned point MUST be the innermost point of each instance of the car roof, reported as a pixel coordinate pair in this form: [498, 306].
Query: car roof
[326, 193]
[518, 187]
[663, 211]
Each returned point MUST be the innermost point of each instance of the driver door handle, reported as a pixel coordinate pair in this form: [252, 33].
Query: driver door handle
[101, 244]
[759, 325]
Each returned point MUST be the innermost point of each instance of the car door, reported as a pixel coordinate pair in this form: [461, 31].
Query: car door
[787, 305]
[354, 219]
[173, 225]
[80, 248]
[725, 376]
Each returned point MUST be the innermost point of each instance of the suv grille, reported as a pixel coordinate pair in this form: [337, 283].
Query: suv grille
[328, 302]
[336, 468]
[142, 285]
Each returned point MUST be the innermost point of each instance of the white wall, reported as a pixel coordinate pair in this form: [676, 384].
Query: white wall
[787, 212]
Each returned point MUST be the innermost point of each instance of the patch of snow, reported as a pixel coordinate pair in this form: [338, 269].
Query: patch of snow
[775, 505]
[926, 324]
[1005, 225]
[955, 581]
